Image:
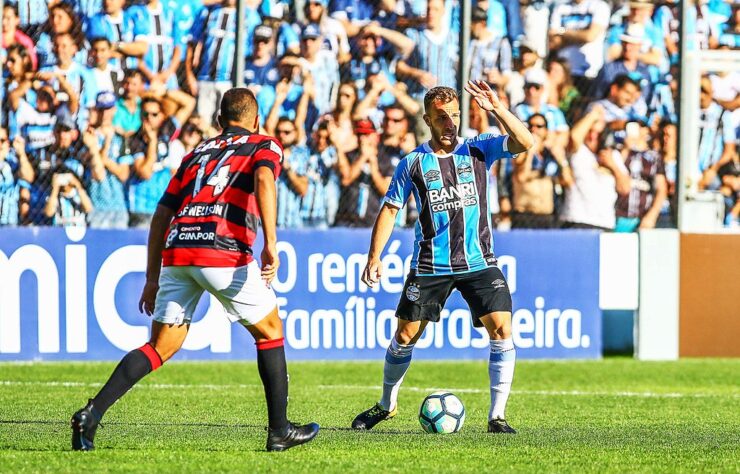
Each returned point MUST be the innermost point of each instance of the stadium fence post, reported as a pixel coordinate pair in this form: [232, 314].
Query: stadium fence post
[240, 60]
[463, 72]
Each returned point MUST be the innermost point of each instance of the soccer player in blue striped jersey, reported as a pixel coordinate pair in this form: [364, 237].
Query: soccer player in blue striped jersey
[454, 245]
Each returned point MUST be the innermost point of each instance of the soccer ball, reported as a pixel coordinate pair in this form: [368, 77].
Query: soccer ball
[441, 412]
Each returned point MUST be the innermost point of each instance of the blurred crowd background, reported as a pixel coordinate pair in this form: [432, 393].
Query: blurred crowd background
[101, 100]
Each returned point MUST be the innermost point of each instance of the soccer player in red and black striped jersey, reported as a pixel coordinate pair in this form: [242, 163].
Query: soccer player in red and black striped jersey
[201, 239]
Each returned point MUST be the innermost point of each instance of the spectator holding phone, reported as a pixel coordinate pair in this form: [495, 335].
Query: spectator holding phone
[68, 203]
[640, 208]
[599, 175]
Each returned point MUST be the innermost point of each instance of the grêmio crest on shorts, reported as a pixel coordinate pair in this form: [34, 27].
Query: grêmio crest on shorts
[453, 231]
[212, 195]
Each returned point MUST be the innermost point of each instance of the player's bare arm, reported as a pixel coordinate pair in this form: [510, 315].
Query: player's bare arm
[520, 138]
[265, 190]
[160, 224]
[382, 229]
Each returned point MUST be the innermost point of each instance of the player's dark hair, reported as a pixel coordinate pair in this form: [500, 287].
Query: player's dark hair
[238, 105]
[439, 94]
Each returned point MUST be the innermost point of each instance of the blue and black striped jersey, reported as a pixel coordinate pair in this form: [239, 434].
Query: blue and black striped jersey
[453, 232]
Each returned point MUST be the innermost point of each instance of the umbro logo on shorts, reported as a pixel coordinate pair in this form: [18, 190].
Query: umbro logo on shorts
[498, 283]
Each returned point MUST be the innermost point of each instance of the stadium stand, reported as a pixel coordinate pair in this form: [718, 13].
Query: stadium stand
[102, 99]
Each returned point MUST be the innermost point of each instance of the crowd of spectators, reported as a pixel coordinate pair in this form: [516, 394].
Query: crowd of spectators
[101, 100]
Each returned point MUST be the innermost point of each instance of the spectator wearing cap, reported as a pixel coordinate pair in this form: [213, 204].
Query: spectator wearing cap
[640, 208]
[208, 75]
[536, 174]
[16, 174]
[322, 65]
[629, 63]
[652, 51]
[319, 205]
[109, 168]
[83, 88]
[717, 137]
[332, 31]
[163, 54]
[577, 33]
[62, 20]
[261, 72]
[534, 88]
[490, 54]
[432, 57]
[528, 59]
[365, 176]
[124, 29]
[68, 203]
[154, 160]
[292, 184]
[11, 35]
[599, 176]
[106, 77]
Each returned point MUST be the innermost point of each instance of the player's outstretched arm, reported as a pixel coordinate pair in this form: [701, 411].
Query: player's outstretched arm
[157, 230]
[381, 233]
[520, 138]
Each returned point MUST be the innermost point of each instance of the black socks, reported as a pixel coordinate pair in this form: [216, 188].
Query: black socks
[274, 374]
[132, 368]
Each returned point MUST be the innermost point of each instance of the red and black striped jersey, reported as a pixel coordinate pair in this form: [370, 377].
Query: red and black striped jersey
[212, 195]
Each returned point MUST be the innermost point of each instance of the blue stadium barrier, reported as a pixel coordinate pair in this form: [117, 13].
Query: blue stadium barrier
[72, 295]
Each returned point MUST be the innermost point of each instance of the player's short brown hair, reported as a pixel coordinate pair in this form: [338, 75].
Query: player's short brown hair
[440, 93]
[238, 105]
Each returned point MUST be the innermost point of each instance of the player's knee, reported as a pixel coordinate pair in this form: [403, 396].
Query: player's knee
[502, 331]
[409, 334]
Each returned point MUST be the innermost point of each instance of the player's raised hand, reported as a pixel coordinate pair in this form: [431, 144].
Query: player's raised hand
[372, 273]
[484, 96]
[270, 263]
[148, 296]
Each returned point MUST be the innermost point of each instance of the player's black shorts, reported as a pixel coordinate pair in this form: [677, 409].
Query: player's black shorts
[423, 298]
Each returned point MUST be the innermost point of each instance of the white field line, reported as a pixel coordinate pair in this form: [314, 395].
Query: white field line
[575, 393]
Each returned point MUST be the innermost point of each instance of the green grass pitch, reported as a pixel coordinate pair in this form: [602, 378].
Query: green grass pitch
[614, 415]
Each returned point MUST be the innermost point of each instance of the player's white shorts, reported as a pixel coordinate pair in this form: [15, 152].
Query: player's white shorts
[241, 290]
